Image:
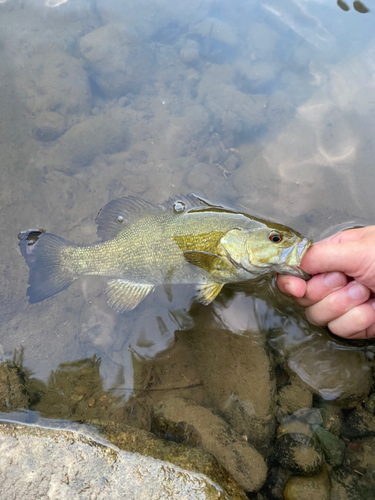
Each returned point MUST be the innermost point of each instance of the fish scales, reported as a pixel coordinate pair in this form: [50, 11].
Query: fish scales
[146, 245]
[147, 251]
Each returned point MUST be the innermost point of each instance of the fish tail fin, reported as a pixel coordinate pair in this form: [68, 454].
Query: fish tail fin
[42, 253]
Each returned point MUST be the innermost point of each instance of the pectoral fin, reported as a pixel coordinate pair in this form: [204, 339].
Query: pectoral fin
[205, 260]
[208, 292]
[124, 296]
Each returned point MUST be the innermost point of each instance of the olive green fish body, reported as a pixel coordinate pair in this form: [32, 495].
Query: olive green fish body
[153, 250]
[182, 241]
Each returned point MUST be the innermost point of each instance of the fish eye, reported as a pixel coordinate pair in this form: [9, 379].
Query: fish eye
[275, 237]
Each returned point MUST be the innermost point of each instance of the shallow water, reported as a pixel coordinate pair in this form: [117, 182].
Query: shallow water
[268, 107]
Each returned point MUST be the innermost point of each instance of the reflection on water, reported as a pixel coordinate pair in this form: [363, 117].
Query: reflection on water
[264, 106]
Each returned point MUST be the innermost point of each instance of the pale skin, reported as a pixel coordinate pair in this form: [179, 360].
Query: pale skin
[341, 293]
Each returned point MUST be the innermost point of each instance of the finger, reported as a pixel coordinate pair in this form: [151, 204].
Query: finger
[347, 235]
[337, 303]
[290, 285]
[320, 286]
[334, 257]
[356, 323]
[369, 333]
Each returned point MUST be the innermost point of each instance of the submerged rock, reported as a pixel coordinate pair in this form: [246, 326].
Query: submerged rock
[49, 126]
[296, 447]
[89, 468]
[54, 81]
[97, 135]
[217, 30]
[346, 484]
[342, 376]
[234, 111]
[12, 390]
[116, 60]
[297, 452]
[306, 488]
[332, 446]
[359, 423]
[187, 422]
[294, 396]
[239, 381]
[190, 52]
[332, 418]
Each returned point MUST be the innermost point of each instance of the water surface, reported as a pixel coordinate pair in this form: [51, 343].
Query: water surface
[264, 106]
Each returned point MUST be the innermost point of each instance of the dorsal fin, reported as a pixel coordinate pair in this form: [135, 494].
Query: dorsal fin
[112, 218]
[184, 203]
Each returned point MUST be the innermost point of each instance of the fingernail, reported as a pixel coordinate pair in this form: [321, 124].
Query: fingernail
[334, 280]
[373, 304]
[357, 291]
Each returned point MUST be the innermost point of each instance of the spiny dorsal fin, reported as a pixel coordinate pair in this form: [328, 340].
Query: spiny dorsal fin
[124, 296]
[204, 260]
[208, 292]
[112, 218]
[187, 202]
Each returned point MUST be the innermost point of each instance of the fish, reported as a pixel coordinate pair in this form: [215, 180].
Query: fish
[184, 240]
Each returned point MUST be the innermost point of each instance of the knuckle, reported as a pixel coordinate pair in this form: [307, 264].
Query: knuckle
[335, 302]
[311, 317]
[359, 318]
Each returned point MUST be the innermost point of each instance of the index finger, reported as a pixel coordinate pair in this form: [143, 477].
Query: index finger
[322, 258]
[345, 236]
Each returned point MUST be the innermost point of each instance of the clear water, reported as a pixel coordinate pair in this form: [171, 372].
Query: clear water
[265, 106]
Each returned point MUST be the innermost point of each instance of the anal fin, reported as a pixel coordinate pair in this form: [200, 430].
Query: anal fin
[208, 292]
[125, 296]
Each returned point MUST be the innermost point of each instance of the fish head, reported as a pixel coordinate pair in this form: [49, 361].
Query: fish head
[270, 248]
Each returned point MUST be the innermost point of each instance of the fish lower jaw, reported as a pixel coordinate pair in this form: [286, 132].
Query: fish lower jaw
[294, 270]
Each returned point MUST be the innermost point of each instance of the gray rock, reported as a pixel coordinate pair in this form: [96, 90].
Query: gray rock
[97, 135]
[332, 418]
[332, 446]
[185, 421]
[217, 30]
[53, 82]
[40, 463]
[190, 52]
[116, 60]
[149, 19]
[251, 77]
[49, 126]
[339, 375]
[236, 112]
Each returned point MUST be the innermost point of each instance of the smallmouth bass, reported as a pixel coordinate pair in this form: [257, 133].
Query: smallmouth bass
[184, 240]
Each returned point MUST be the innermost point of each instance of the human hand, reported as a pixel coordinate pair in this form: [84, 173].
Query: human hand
[341, 293]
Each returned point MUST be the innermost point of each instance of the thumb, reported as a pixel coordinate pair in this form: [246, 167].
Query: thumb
[344, 257]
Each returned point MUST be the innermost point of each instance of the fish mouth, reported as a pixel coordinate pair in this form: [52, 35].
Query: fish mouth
[298, 272]
[302, 247]
[296, 254]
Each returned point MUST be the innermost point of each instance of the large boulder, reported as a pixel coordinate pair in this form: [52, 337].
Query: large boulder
[39, 463]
